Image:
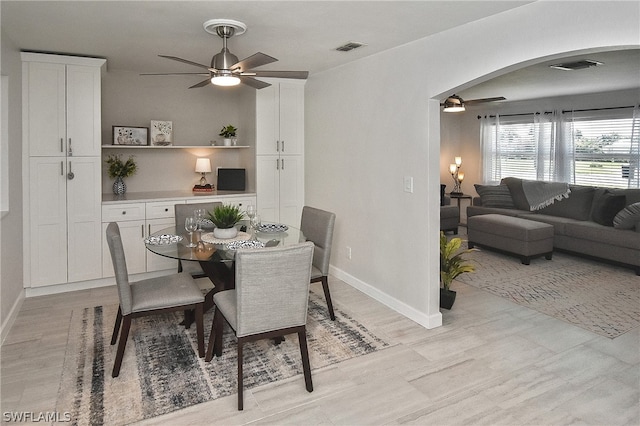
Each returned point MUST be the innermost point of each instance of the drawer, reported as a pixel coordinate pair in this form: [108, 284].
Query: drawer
[161, 210]
[122, 212]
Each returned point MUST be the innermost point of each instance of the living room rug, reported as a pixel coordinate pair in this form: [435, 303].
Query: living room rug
[161, 371]
[599, 297]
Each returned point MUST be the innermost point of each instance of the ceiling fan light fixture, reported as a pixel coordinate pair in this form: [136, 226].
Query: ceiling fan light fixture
[225, 80]
[453, 104]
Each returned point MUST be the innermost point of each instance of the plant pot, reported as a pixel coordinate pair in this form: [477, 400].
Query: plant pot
[225, 233]
[119, 187]
[447, 297]
[227, 141]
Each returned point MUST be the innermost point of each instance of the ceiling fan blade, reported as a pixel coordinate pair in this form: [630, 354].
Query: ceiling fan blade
[281, 74]
[483, 100]
[201, 84]
[256, 84]
[175, 58]
[256, 60]
[177, 73]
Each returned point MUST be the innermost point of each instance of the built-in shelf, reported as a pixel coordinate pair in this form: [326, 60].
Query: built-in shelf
[171, 147]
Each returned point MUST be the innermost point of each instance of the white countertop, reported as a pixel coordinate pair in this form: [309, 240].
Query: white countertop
[132, 197]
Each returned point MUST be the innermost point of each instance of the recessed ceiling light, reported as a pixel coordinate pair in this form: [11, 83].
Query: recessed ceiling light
[577, 65]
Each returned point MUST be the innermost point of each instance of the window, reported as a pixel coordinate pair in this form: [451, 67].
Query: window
[597, 148]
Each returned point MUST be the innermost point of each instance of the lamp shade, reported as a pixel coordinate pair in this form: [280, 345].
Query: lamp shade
[453, 104]
[203, 165]
[225, 80]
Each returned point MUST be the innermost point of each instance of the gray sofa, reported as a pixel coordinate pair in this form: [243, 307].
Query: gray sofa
[449, 216]
[582, 222]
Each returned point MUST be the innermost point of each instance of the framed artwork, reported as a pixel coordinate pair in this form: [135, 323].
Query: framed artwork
[127, 135]
[161, 133]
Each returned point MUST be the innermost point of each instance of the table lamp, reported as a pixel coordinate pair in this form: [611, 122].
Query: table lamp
[457, 175]
[203, 165]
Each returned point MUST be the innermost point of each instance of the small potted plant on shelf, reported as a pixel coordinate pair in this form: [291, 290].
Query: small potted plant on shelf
[225, 218]
[452, 265]
[228, 133]
[119, 170]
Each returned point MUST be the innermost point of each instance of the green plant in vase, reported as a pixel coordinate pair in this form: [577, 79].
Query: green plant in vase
[452, 265]
[228, 132]
[119, 170]
[225, 218]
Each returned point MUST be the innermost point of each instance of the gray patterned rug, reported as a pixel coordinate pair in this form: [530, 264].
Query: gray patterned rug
[161, 371]
[598, 297]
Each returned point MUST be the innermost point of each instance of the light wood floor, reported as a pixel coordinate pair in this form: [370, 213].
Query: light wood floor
[492, 362]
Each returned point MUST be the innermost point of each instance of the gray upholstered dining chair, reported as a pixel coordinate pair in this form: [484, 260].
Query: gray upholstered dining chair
[149, 296]
[317, 226]
[181, 212]
[270, 300]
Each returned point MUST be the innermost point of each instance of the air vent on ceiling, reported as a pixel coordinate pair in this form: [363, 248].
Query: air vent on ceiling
[577, 65]
[347, 47]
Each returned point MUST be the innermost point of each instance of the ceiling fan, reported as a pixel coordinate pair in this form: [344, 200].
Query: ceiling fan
[455, 103]
[226, 69]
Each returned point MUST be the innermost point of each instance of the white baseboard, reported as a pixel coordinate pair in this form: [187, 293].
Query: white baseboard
[427, 321]
[11, 318]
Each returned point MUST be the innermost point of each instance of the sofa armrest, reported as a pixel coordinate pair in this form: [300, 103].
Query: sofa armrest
[446, 200]
[476, 201]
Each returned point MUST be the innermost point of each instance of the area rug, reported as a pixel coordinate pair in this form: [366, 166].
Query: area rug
[601, 298]
[161, 371]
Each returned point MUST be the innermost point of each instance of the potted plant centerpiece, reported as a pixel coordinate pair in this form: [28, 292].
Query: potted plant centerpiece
[452, 265]
[228, 132]
[119, 170]
[225, 218]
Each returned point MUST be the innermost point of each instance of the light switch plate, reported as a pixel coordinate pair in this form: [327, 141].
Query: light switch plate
[408, 184]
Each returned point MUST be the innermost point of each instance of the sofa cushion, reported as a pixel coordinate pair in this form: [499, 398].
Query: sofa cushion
[577, 206]
[632, 194]
[495, 196]
[591, 231]
[559, 223]
[628, 218]
[517, 193]
[606, 206]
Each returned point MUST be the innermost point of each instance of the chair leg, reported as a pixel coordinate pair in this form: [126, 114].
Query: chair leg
[327, 296]
[126, 325]
[304, 352]
[215, 343]
[200, 329]
[240, 377]
[116, 326]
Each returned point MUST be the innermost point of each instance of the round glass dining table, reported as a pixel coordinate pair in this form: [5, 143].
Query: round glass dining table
[216, 256]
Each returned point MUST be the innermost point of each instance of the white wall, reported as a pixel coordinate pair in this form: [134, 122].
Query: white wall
[359, 147]
[11, 292]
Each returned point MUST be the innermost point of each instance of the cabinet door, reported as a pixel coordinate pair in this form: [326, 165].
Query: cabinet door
[47, 221]
[291, 119]
[291, 189]
[83, 111]
[267, 116]
[132, 234]
[44, 108]
[267, 183]
[84, 230]
[156, 262]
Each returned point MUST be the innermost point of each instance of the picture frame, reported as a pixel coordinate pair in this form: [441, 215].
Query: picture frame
[161, 133]
[128, 135]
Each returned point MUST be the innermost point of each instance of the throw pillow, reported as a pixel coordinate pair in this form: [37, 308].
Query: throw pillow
[495, 196]
[517, 194]
[627, 218]
[577, 206]
[605, 207]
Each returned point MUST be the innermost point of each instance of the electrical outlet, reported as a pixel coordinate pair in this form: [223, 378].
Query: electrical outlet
[348, 250]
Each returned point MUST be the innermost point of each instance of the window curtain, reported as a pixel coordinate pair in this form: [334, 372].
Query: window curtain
[634, 161]
[564, 155]
[490, 148]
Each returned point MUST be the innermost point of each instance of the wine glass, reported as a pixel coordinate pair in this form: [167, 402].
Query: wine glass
[251, 212]
[190, 225]
[199, 215]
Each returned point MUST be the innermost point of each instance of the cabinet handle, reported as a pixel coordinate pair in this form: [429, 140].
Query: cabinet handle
[166, 210]
[277, 146]
[142, 231]
[282, 146]
[149, 230]
[62, 168]
[61, 145]
[282, 168]
[70, 150]
[277, 164]
[124, 212]
[70, 175]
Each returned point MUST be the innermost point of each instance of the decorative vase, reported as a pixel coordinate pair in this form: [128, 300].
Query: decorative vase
[447, 297]
[119, 187]
[225, 233]
[227, 141]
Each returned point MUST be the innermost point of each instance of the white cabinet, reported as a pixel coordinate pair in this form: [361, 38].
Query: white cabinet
[280, 151]
[62, 177]
[137, 221]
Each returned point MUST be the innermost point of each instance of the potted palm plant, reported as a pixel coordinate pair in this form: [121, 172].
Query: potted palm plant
[119, 170]
[227, 133]
[225, 218]
[452, 265]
